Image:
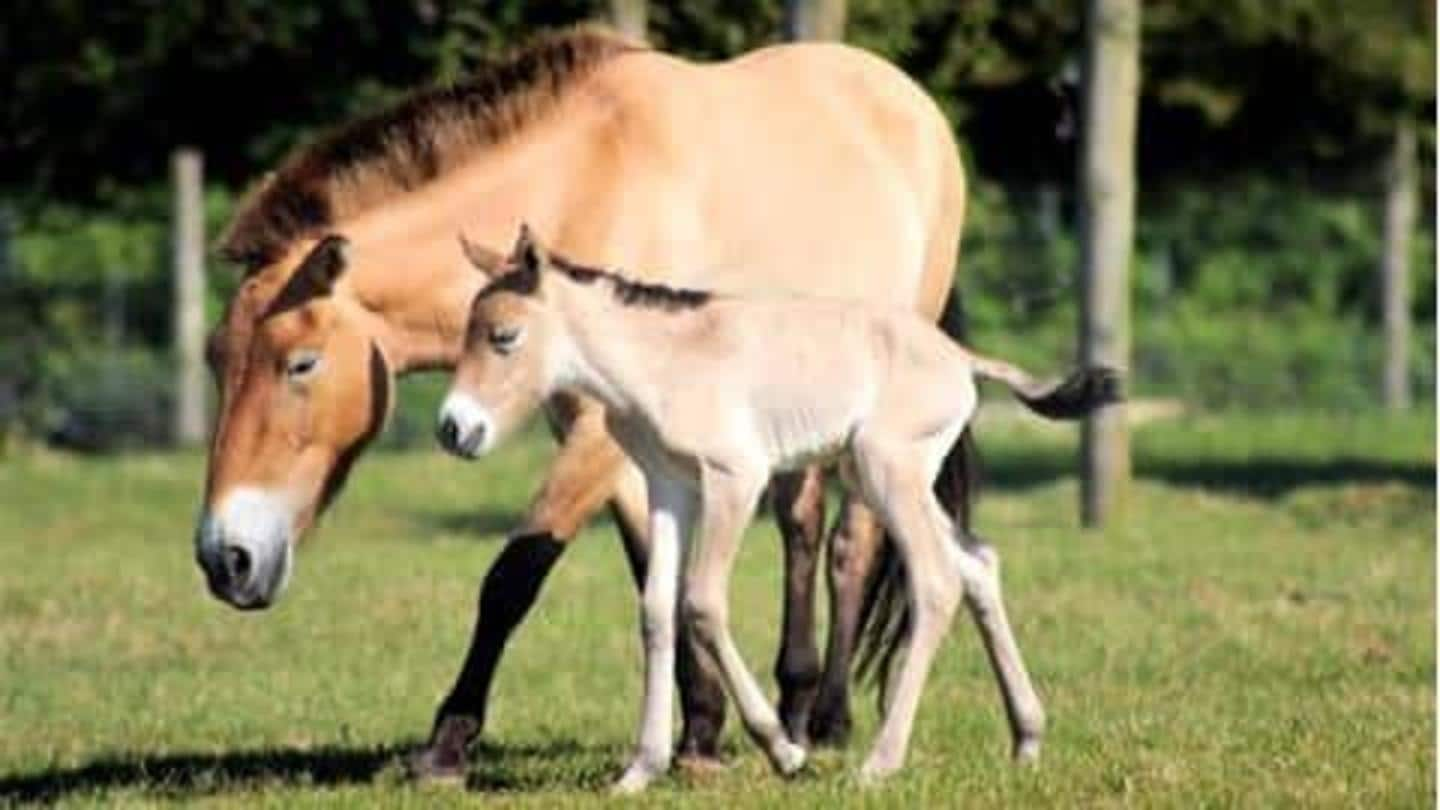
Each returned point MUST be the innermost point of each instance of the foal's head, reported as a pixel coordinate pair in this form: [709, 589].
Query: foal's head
[511, 358]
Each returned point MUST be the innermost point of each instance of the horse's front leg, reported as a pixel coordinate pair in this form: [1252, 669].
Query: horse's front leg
[576, 486]
[671, 511]
[798, 500]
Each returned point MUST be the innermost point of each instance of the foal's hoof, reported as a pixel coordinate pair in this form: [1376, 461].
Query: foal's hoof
[788, 758]
[636, 778]
[1027, 752]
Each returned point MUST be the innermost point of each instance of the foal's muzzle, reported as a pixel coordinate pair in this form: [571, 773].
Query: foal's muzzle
[463, 428]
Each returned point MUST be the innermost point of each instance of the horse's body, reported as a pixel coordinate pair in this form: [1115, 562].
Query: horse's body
[738, 176]
[712, 395]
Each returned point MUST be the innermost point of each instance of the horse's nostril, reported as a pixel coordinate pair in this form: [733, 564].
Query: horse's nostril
[447, 433]
[237, 563]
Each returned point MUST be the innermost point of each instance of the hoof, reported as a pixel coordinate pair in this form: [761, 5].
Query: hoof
[830, 730]
[636, 778]
[443, 760]
[788, 758]
[1027, 753]
[700, 765]
[430, 766]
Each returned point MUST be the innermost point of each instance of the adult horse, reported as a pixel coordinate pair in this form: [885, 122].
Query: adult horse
[732, 176]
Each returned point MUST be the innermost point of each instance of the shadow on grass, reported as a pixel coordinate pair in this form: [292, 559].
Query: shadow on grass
[483, 523]
[1259, 477]
[186, 774]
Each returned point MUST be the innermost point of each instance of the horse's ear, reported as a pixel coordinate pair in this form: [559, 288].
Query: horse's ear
[483, 259]
[320, 268]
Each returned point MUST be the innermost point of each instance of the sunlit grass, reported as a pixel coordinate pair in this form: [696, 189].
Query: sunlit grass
[1259, 632]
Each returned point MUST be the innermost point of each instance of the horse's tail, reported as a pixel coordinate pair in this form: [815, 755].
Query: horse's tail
[885, 611]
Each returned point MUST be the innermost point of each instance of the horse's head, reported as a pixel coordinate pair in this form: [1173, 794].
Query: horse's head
[303, 387]
[510, 363]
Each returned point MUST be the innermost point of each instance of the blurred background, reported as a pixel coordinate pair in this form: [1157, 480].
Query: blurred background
[1285, 164]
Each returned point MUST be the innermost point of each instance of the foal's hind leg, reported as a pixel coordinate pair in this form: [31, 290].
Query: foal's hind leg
[980, 569]
[899, 489]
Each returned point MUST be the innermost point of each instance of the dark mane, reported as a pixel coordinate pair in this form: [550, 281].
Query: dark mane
[421, 137]
[633, 293]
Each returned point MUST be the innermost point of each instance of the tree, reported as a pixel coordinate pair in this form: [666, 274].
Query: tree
[1111, 90]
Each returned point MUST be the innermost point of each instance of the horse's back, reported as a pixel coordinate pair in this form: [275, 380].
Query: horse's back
[813, 168]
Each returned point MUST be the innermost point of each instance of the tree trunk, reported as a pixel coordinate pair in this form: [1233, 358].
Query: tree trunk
[815, 19]
[1111, 88]
[189, 296]
[1401, 193]
[629, 16]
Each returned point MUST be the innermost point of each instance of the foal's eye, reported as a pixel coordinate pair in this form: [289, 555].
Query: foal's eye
[505, 339]
[302, 364]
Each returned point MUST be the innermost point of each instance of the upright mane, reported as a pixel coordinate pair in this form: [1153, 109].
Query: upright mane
[422, 136]
[631, 292]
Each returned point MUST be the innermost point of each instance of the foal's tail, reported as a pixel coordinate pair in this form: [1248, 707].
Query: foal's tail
[1070, 398]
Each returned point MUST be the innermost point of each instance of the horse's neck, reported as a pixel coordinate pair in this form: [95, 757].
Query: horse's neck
[408, 265]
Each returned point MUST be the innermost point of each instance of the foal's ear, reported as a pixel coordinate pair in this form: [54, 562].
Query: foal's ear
[487, 261]
[528, 255]
[321, 267]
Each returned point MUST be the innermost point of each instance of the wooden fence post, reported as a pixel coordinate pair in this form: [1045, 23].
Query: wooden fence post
[815, 19]
[1401, 179]
[1111, 87]
[629, 16]
[189, 295]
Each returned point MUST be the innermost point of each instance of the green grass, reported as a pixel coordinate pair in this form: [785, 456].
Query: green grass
[1260, 632]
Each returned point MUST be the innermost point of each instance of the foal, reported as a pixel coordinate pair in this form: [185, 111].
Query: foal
[710, 395]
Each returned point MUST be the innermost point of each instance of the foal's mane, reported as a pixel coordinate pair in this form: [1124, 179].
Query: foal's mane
[631, 292]
[424, 135]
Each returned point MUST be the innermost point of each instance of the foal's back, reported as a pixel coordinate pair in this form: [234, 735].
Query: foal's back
[796, 378]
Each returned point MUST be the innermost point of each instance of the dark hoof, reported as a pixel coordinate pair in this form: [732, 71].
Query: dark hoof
[830, 731]
[443, 760]
[699, 766]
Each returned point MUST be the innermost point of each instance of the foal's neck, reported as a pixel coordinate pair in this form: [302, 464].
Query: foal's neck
[616, 346]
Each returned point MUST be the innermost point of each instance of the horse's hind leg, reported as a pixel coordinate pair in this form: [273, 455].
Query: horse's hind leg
[852, 551]
[799, 504]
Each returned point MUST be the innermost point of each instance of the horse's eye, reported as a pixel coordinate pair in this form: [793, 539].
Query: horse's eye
[302, 364]
[505, 339]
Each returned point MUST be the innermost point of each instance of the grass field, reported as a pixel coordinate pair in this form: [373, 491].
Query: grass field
[1261, 632]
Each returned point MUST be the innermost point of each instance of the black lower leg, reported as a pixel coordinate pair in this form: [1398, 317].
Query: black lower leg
[509, 590]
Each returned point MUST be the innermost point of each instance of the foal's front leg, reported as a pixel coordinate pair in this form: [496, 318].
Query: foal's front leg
[727, 499]
[671, 511]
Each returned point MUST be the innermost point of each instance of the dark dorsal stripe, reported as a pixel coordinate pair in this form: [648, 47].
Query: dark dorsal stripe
[414, 141]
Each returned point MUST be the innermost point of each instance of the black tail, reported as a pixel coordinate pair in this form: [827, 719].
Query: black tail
[1077, 395]
[885, 611]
